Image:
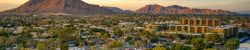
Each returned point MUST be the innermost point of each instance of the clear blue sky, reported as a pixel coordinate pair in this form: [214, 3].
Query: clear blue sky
[232, 5]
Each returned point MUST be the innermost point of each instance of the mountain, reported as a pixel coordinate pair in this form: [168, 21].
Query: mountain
[118, 10]
[176, 9]
[244, 12]
[63, 7]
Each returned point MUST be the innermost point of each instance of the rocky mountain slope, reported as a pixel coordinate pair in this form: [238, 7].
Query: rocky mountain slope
[176, 9]
[118, 10]
[63, 7]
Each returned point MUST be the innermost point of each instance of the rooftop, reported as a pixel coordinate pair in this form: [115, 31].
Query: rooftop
[224, 26]
[199, 19]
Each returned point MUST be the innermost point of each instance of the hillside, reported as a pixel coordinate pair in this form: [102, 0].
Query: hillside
[176, 9]
[63, 7]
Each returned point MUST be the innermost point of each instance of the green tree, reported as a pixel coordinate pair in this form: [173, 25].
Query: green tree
[41, 46]
[213, 38]
[20, 47]
[180, 47]
[138, 43]
[128, 38]
[64, 34]
[198, 44]
[159, 48]
[11, 41]
[232, 44]
[105, 35]
[211, 49]
[64, 46]
[115, 44]
[118, 32]
[27, 34]
[1, 45]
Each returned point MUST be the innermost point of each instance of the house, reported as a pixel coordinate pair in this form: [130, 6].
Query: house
[86, 36]
[139, 28]
[42, 28]
[58, 48]
[127, 23]
[18, 30]
[75, 48]
[46, 35]
[34, 34]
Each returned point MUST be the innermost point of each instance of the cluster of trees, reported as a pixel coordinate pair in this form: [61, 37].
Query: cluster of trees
[180, 47]
[43, 46]
[232, 44]
[201, 42]
[110, 20]
[159, 48]
[114, 44]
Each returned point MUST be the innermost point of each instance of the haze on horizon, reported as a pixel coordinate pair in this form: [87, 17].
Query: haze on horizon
[231, 5]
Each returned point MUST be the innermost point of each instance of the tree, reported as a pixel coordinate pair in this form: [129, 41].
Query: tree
[41, 46]
[159, 48]
[64, 34]
[50, 42]
[115, 44]
[92, 47]
[213, 38]
[180, 47]
[232, 44]
[198, 44]
[27, 34]
[1, 45]
[2, 39]
[118, 32]
[243, 34]
[138, 43]
[20, 47]
[64, 46]
[11, 41]
[128, 39]
[105, 35]
[210, 49]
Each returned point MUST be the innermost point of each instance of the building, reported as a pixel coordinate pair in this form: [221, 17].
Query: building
[201, 22]
[195, 26]
[227, 30]
[157, 27]
[187, 28]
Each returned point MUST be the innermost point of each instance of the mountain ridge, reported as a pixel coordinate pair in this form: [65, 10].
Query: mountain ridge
[117, 10]
[73, 7]
[176, 9]
[79, 7]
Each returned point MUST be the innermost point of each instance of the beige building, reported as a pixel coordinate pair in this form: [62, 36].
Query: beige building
[192, 26]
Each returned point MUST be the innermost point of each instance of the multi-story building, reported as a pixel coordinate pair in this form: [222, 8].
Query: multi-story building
[195, 26]
[227, 30]
[201, 22]
[157, 27]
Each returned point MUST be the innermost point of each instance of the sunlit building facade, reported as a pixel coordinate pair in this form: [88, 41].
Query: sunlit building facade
[201, 22]
[195, 26]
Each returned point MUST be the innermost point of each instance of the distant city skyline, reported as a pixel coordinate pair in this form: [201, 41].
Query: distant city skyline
[231, 5]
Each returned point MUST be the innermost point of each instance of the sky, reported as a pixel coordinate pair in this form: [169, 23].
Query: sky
[231, 5]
